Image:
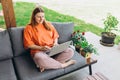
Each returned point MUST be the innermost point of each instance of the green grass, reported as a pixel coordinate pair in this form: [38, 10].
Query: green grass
[2, 22]
[23, 12]
[79, 24]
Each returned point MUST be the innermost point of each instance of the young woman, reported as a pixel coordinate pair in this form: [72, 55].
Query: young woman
[39, 36]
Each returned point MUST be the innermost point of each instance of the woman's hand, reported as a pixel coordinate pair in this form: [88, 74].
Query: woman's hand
[42, 48]
[45, 48]
[56, 42]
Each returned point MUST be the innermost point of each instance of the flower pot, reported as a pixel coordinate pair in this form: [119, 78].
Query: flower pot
[77, 49]
[86, 55]
[88, 60]
[107, 40]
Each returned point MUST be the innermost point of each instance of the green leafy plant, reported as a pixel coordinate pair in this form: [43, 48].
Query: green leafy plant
[80, 42]
[117, 39]
[78, 38]
[108, 36]
[110, 23]
[90, 49]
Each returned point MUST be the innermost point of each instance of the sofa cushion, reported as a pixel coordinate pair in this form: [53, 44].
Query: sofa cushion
[5, 46]
[28, 70]
[65, 29]
[80, 63]
[6, 70]
[16, 35]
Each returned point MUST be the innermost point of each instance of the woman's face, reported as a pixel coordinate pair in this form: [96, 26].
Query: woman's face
[39, 17]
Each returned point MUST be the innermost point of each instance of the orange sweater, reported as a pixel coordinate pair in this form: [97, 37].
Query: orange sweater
[38, 35]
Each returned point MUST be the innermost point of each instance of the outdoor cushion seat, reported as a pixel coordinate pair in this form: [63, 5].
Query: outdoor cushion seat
[17, 64]
[7, 70]
[6, 65]
[16, 35]
[5, 48]
[27, 70]
[80, 61]
[64, 29]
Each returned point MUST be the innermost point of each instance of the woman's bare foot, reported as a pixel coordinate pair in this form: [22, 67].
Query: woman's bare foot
[70, 62]
[42, 69]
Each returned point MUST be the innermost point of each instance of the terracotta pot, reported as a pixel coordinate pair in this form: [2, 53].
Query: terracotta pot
[88, 60]
[86, 55]
[82, 53]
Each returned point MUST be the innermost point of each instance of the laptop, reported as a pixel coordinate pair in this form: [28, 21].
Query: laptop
[59, 48]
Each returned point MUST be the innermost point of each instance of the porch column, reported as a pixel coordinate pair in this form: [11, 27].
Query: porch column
[8, 12]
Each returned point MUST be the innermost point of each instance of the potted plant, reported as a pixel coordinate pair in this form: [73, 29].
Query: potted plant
[78, 38]
[82, 45]
[110, 24]
[87, 50]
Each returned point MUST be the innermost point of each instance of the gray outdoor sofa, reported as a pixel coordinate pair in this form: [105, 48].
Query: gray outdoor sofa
[16, 63]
